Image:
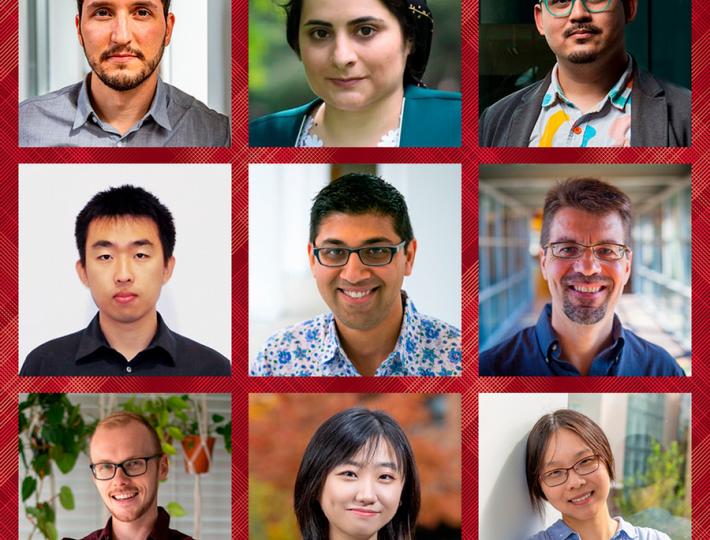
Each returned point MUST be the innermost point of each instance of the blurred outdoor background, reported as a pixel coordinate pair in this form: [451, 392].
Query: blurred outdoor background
[656, 301]
[281, 425]
[276, 78]
[513, 54]
[650, 439]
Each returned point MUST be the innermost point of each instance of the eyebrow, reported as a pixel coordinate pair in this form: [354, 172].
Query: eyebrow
[368, 242]
[570, 239]
[109, 3]
[385, 464]
[108, 244]
[354, 22]
[554, 463]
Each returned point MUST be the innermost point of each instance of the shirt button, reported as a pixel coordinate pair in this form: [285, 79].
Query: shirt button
[120, 143]
[129, 369]
[554, 347]
[577, 130]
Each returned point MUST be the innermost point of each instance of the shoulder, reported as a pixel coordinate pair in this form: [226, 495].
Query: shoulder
[495, 119]
[196, 359]
[279, 128]
[517, 355]
[675, 94]
[68, 94]
[44, 359]
[647, 359]
[292, 350]
[440, 347]
[431, 118]
[199, 113]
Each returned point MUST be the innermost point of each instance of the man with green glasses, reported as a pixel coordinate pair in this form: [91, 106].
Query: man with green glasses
[596, 94]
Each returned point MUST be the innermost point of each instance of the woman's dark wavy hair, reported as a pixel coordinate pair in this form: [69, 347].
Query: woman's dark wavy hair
[338, 439]
[417, 27]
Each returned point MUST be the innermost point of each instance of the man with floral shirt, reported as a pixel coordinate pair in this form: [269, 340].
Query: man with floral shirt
[361, 248]
[595, 95]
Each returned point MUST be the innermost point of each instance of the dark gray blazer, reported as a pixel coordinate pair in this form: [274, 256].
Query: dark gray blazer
[660, 114]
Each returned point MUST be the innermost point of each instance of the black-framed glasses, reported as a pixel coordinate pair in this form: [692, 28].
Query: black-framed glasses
[369, 255]
[563, 8]
[557, 477]
[606, 252]
[131, 467]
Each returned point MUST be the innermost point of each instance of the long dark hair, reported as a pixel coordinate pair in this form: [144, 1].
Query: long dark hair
[338, 439]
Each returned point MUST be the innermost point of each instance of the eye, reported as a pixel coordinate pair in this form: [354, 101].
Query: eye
[143, 12]
[103, 467]
[319, 34]
[347, 474]
[377, 251]
[387, 477]
[332, 253]
[366, 31]
[102, 12]
[556, 473]
[142, 256]
[104, 257]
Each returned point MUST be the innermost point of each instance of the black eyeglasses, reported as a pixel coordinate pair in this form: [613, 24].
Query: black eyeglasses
[369, 255]
[131, 467]
[557, 477]
[572, 250]
[563, 8]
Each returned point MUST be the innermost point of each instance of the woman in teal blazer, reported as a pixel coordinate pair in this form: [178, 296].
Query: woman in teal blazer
[364, 59]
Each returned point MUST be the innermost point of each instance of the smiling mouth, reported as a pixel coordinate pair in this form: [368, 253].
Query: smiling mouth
[351, 81]
[357, 294]
[362, 512]
[582, 499]
[123, 497]
[587, 288]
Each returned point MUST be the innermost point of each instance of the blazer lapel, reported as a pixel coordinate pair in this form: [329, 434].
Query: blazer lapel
[649, 112]
[526, 114]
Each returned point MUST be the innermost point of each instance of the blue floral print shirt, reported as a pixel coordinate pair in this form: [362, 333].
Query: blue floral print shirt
[426, 347]
[560, 531]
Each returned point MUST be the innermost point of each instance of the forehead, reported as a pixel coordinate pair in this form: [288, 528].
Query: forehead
[354, 229]
[119, 442]
[88, 4]
[343, 10]
[563, 446]
[376, 451]
[125, 228]
[585, 227]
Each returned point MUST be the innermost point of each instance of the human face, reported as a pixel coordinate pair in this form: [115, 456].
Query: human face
[353, 51]
[123, 40]
[580, 498]
[361, 297]
[362, 495]
[125, 268]
[585, 290]
[584, 37]
[128, 498]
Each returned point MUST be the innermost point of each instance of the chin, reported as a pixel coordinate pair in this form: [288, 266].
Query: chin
[583, 57]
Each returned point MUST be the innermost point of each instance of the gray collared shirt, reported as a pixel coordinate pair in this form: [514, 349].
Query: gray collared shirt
[67, 118]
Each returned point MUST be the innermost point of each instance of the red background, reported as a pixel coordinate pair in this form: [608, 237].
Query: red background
[469, 385]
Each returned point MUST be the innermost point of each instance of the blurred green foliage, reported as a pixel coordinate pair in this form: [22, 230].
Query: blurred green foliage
[276, 78]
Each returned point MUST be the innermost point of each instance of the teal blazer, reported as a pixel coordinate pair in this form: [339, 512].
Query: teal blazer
[431, 118]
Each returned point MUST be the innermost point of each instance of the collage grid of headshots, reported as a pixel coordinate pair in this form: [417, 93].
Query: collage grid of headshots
[463, 313]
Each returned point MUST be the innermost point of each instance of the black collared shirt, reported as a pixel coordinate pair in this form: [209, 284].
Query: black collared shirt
[87, 353]
[161, 530]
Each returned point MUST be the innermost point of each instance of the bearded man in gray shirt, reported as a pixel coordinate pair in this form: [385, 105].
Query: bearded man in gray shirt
[123, 101]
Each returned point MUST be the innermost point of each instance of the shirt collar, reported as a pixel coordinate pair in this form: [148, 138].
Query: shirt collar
[161, 529]
[550, 345]
[618, 96]
[93, 339]
[158, 108]
[561, 531]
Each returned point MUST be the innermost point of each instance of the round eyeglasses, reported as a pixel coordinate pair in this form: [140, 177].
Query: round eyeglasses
[563, 8]
[606, 252]
[333, 257]
[131, 467]
[557, 477]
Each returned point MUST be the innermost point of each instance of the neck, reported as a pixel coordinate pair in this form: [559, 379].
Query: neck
[365, 127]
[367, 349]
[336, 534]
[138, 529]
[600, 527]
[130, 338]
[587, 84]
[122, 109]
[580, 343]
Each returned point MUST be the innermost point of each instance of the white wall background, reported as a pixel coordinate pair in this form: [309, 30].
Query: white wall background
[198, 60]
[281, 289]
[90, 514]
[504, 510]
[196, 302]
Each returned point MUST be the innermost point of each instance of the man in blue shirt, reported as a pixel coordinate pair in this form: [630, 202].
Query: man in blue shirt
[586, 260]
[361, 247]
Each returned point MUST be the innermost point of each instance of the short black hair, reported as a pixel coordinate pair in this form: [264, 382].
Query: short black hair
[166, 7]
[360, 193]
[126, 201]
[338, 439]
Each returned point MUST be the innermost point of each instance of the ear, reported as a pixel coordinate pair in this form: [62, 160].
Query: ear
[170, 23]
[630, 10]
[543, 263]
[81, 272]
[627, 269]
[537, 12]
[409, 254]
[311, 257]
[168, 270]
[163, 467]
[77, 23]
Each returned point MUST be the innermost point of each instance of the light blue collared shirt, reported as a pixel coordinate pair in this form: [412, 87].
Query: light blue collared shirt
[561, 531]
[67, 118]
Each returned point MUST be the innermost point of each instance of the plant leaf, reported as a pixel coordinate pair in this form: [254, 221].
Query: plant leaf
[66, 498]
[175, 509]
[175, 433]
[169, 449]
[29, 484]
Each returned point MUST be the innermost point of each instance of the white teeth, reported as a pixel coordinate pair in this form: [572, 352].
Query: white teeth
[124, 496]
[356, 294]
[587, 289]
[582, 498]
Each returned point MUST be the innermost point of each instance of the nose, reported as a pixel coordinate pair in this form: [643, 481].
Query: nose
[354, 271]
[344, 54]
[365, 492]
[579, 11]
[574, 479]
[123, 270]
[587, 264]
[121, 29]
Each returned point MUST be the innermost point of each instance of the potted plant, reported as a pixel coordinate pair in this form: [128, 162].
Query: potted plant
[198, 442]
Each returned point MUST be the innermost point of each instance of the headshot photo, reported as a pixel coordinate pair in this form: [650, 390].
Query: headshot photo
[355, 270]
[375, 466]
[557, 465]
[138, 466]
[584, 73]
[355, 73]
[139, 281]
[125, 73]
[585, 269]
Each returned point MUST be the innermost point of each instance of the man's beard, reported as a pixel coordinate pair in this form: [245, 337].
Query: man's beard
[583, 57]
[119, 80]
[583, 314]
